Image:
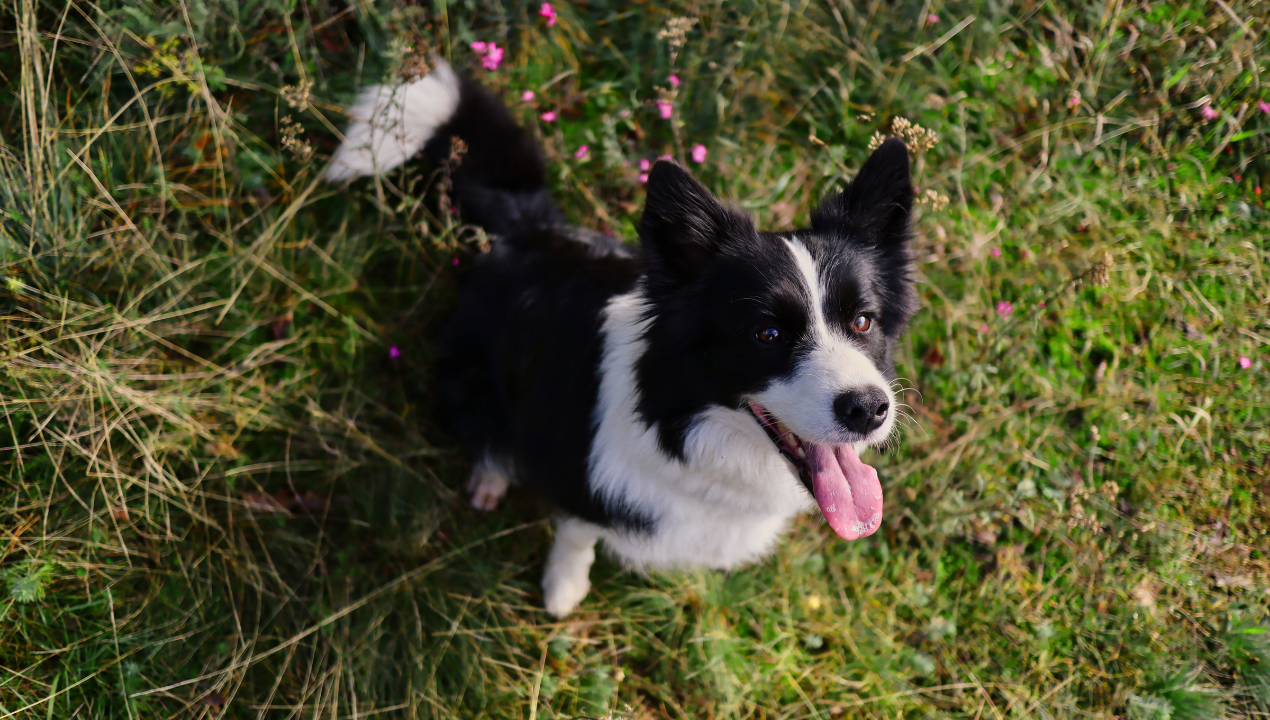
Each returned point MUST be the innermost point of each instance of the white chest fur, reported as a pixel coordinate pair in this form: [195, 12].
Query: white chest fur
[724, 506]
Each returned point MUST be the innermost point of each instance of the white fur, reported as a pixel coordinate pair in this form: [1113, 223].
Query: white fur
[724, 506]
[804, 401]
[566, 579]
[729, 501]
[488, 484]
[392, 123]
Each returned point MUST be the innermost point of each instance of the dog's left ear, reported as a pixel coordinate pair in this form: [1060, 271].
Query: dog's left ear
[877, 203]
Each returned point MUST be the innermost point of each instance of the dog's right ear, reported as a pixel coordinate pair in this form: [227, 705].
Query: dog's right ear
[876, 205]
[683, 223]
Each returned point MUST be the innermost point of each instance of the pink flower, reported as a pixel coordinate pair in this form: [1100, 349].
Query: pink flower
[1263, 106]
[1041, 304]
[490, 53]
[1245, 363]
[665, 108]
[549, 116]
[394, 353]
[644, 164]
[548, 12]
[582, 152]
[1073, 102]
[643, 177]
[1004, 308]
[932, 19]
[698, 153]
[527, 96]
[674, 80]
[983, 329]
[492, 58]
[996, 252]
[1208, 113]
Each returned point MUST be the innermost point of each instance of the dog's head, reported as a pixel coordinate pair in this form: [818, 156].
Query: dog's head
[796, 327]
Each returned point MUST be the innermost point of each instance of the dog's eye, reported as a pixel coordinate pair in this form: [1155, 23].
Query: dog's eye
[862, 323]
[768, 335]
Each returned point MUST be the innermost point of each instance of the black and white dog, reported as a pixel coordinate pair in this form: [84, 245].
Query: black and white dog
[680, 403]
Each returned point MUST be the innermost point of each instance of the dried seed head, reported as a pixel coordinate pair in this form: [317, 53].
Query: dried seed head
[298, 97]
[458, 148]
[299, 148]
[1100, 273]
[934, 200]
[676, 31]
[918, 138]
[416, 59]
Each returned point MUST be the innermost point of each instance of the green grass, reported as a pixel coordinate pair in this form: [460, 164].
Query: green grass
[222, 498]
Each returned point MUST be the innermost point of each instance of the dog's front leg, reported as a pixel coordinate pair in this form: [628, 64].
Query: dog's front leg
[566, 580]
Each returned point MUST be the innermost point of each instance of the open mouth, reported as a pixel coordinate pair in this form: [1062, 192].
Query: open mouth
[847, 491]
[789, 444]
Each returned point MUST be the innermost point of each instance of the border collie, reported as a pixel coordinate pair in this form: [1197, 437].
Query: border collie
[681, 402]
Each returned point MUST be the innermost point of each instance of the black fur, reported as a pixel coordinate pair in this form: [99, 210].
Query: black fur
[500, 182]
[519, 366]
[520, 359]
[713, 282]
[871, 218]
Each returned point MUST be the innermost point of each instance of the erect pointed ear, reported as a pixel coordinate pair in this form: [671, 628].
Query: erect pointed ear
[877, 203]
[683, 223]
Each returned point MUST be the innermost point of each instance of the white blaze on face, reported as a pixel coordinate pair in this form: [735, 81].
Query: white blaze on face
[804, 401]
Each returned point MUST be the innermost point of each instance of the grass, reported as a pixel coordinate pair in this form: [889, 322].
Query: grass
[223, 498]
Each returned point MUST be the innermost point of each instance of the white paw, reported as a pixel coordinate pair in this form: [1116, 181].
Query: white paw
[562, 591]
[488, 485]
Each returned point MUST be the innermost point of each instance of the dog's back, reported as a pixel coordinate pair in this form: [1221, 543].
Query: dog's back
[517, 366]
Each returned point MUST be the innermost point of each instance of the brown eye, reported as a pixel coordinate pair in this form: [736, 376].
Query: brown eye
[768, 335]
[862, 323]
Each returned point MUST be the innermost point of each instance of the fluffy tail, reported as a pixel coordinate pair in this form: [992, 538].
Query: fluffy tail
[500, 183]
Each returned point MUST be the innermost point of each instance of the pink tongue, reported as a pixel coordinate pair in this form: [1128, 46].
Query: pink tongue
[846, 489]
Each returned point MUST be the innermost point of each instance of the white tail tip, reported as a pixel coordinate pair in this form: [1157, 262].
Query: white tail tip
[392, 123]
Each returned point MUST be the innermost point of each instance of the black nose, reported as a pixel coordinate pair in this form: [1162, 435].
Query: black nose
[862, 411]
